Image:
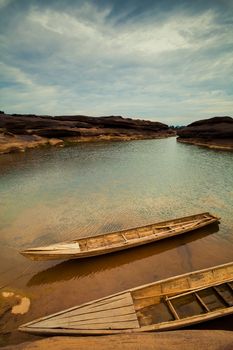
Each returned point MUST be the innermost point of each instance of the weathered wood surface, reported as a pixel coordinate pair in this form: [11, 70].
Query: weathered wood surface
[115, 313]
[115, 241]
[175, 340]
[142, 309]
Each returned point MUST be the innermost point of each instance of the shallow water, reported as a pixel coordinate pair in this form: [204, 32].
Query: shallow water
[51, 195]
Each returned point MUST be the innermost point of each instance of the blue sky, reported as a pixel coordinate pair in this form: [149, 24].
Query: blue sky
[170, 61]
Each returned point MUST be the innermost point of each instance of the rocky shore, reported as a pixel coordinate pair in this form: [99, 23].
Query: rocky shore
[174, 340]
[20, 132]
[214, 133]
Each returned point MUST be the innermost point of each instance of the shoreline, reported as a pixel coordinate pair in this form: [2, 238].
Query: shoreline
[213, 133]
[21, 132]
[176, 340]
[218, 144]
[16, 144]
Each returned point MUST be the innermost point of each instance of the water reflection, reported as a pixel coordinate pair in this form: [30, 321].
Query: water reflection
[76, 269]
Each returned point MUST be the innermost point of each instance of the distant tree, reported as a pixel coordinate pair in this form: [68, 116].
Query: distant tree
[1, 112]
[176, 127]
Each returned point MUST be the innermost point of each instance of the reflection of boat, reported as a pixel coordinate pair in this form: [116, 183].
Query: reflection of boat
[115, 241]
[167, 304]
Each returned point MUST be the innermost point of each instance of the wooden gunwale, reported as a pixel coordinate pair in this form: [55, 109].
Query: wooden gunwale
[211, 285]
[225, 277]
[43, 253]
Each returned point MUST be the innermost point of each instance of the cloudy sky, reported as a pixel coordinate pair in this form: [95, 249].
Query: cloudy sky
[169, 60]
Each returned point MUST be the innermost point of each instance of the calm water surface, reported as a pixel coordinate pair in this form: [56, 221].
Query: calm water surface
[50, 195]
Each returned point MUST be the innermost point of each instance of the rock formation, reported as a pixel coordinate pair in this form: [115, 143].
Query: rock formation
[19, 132]
[215, 132]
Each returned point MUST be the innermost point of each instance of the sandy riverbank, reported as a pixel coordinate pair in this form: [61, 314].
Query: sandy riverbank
[218, 144]
[175, 340]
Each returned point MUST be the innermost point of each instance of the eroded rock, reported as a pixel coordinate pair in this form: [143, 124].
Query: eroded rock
[215, 132]
[20, 132]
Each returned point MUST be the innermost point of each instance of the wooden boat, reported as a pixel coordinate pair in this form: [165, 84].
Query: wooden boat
[168, 304]
[114, 241]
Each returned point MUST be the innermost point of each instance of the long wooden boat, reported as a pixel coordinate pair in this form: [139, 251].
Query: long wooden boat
[168, 304]
[114, 241]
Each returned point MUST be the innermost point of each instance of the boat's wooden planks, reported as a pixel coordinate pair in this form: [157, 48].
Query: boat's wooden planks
[172, 309]
[166, 287]
[201, 301]
[170, 325]
[174, 225]
[121, 304]
[137, 310]
[115, 238]
[60, 331]
[144, 234]
[113, 325]
[186, 305]
[83, 244]
[137, 235]
[110, 242]
[176, 324]
[126, 296]
[57, 247]
[131, 235]
[108, 326]
[209, 299]
[223, 272]
[96, 242]
[147, 301]
[175, 286]
[186, 282]
[145, 319]
[112, 312]
[124, 311]
[88, 321]
[225, 293]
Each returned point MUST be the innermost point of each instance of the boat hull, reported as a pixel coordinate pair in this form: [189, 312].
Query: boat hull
[121, 240]
[160, 306]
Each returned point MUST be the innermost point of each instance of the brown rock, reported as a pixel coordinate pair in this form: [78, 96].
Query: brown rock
[56, 142]
[19, 132]
[215, 132]
[213, 128]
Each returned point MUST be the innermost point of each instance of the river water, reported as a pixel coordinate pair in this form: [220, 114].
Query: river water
[51, 195]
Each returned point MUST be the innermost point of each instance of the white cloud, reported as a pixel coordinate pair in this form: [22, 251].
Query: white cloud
[80, 61]
[4, 3]
[14, 75]
[22, 94]
[144, 39]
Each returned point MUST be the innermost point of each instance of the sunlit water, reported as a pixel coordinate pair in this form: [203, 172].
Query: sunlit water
[51, 195]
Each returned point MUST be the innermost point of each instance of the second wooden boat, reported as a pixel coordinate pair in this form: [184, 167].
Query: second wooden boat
[168, 304]
[114, 241]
